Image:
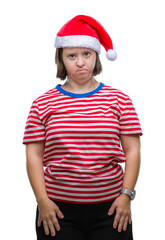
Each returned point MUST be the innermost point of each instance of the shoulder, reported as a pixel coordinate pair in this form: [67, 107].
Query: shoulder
[47, 96]
[119, 94]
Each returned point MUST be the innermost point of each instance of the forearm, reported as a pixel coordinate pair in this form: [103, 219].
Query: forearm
[132, 168]
[36, 174]
[131, 148]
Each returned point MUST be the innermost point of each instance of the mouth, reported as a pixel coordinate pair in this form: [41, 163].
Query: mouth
[82, 70]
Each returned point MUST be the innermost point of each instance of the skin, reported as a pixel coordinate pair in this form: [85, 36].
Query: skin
[131, 148]
[79, 63]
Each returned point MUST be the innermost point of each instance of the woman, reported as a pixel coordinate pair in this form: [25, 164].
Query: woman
[80, 132]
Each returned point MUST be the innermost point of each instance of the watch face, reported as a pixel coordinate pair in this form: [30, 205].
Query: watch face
[133, 193]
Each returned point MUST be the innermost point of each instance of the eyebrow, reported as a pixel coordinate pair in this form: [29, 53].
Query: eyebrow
[74, 50]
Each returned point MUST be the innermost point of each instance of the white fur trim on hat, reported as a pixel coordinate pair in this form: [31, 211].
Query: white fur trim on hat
[78, 41]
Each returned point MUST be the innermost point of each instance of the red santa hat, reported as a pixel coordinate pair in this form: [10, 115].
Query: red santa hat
[85, 31]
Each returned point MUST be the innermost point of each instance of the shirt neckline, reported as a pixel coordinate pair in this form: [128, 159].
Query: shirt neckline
[79, 95]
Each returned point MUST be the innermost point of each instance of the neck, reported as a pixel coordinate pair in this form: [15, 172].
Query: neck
[80, 87]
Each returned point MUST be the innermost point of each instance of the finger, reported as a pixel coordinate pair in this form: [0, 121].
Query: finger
[125, 224]
[116, 219]
[46, 229]
[112, 209]
[39, 222]
[55, 223]
[130, 218]
[51, 227]
[59, 213]
[121, 223]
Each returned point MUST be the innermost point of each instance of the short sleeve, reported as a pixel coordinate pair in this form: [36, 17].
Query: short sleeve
[34, 130]
[129, 121]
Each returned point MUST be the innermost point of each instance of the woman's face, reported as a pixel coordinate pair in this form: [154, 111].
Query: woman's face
[79, 63]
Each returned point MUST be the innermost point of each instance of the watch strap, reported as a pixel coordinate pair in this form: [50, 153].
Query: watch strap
[130, 193]
[126, 191]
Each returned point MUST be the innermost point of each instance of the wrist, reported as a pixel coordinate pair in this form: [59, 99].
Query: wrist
[130, 193]
[125, 196]
[42, 199]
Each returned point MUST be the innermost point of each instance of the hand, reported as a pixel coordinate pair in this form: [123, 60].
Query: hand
[47, 213]
[123, 212]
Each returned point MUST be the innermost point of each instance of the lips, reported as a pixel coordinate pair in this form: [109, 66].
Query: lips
[82, 70]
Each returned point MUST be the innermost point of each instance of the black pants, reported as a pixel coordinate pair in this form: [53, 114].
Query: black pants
[85, 222]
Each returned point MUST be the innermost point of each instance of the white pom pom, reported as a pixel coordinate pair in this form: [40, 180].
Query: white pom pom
[111, 55]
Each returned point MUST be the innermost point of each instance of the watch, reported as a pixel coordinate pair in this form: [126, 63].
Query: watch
[130, 193]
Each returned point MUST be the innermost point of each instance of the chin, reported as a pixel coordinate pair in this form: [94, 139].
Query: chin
[84, 76]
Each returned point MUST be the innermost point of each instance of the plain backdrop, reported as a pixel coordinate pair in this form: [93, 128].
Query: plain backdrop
[27, 70]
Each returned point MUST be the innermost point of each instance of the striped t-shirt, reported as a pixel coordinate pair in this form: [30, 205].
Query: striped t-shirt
[82, 141]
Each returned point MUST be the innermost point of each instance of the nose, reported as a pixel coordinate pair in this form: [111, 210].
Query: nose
[80, 61]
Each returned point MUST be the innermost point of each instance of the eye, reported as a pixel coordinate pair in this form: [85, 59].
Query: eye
[86, 54]
[71, 56]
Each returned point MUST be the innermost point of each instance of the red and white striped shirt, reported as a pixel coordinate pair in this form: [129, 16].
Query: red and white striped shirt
[82, 141]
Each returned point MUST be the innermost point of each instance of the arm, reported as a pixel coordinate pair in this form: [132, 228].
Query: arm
[34, 155]
[131, 148]
[47, 208]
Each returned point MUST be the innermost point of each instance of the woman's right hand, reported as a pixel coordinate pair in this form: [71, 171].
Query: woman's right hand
[48, 212]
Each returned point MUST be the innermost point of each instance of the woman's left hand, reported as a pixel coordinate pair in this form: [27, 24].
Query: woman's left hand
[123, 212]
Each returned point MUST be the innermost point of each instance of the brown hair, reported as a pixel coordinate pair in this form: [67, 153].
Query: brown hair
[61, 71]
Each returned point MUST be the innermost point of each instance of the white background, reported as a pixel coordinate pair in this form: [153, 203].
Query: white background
[27, 70]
